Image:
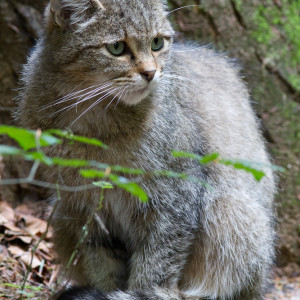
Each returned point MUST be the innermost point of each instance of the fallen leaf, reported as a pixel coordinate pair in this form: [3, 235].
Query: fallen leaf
[15, 251]
[3, 220]
[25, 239]
[43, 246]
[34, 225]
[6, 212]
[12, 230]
[26, 258]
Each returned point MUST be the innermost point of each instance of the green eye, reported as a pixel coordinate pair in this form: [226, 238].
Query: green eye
[157, 43]
[116, 49]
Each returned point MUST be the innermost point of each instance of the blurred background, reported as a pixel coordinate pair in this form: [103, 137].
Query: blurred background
[264, 39]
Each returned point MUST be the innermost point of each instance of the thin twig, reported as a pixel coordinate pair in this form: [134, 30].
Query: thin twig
[33, 170]
[48, 185]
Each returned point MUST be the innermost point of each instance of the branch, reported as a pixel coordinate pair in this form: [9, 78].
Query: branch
[48, 185]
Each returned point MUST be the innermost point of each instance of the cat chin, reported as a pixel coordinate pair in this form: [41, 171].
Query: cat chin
[136, 97]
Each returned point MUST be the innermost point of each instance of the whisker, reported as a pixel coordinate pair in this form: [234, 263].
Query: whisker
[101, 91]
[130, 93]
[114, 97]
[91, 94]
[189, 50]
[182, 8]
[95, 93]
[95, 103]
[71, 96]
[83, 95]
[65, 97]
[126, 89]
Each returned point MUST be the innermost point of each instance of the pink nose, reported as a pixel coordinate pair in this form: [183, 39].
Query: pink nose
[148, 75]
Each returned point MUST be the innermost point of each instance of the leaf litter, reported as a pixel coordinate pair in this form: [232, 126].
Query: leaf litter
[20, 232]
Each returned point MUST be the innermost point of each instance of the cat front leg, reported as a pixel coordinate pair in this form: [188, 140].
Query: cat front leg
[161, 256]
[156, 265]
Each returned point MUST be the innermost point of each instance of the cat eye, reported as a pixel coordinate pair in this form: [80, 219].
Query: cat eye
[117, 48]
[157, 43]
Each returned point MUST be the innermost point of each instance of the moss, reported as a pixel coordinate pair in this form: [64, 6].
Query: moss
[277, 29]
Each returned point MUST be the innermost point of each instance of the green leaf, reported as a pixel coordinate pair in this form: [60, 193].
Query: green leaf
[201, 159]
[186, 155]
[91, 173]
[121, 182]
[135, 190]
[103, 184]
[75, 163]
[125, 170]
[9, 150]
[209, 158]
[131, 187]
[243, 165]
[76, 138]
[40, 156]
[34, 288]
[27, 138]
[11, 285]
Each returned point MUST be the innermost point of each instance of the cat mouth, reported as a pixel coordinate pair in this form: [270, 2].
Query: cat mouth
[134, 96]
[142, 90]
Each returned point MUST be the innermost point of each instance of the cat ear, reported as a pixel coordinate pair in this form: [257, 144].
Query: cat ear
[57, 14]
[64, 13]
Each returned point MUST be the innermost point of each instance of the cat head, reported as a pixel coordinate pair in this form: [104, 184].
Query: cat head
[120, 47]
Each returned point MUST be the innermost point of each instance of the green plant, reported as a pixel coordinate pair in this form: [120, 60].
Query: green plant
[31, 148]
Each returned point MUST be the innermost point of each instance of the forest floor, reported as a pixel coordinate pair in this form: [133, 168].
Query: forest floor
[25, 240]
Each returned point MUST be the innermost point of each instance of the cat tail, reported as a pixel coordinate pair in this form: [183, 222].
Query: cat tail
[94, 294]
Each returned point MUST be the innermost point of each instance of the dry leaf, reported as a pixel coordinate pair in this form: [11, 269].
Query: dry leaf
[25, 239]
[6, 212]
[15, 251]
[43, 246]
[3, 220]
[34, 225]
[26, 258]
[12, 230]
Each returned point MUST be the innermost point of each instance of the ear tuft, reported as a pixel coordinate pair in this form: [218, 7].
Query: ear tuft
[56, 13]
[64, 13]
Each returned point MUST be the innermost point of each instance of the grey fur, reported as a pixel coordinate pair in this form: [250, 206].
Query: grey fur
[187, 241]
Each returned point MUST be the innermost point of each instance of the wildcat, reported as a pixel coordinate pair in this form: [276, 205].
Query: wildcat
[109, 69]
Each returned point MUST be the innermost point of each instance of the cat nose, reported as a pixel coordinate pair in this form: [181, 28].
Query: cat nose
[148, 75]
